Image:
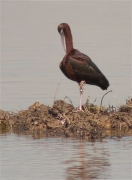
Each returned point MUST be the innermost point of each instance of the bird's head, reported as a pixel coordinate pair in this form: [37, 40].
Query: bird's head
[62, 28]
[66, 37]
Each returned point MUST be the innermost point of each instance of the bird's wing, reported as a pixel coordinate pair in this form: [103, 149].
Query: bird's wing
[84, 69]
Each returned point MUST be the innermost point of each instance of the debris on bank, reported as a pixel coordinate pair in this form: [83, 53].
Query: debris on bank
[65, 121]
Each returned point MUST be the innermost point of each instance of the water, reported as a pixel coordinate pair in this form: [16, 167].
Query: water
[25, 158]
[31, 50]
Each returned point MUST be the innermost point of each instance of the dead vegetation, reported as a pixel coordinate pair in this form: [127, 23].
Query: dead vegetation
[62, 119]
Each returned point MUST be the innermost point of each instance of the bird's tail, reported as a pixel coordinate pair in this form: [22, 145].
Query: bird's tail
[104, 83]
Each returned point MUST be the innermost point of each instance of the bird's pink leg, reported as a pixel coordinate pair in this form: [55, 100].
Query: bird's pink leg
[80, 101]
[81, 84]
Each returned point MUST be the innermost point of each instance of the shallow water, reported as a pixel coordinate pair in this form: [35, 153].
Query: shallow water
[31, 50]
[25, 158]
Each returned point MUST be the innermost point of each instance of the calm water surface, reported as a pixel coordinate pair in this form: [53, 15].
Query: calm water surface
[31, 50]
[25, 158]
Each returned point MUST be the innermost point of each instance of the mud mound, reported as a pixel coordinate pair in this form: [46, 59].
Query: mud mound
[64, 120]
[4, 121]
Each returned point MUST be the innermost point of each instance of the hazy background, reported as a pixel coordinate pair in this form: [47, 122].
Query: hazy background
[32, 50]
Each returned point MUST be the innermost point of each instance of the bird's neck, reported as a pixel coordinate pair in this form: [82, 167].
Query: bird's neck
[68, 41]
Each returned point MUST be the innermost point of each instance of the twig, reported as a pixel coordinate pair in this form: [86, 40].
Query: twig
[62, 106]
[117, 101]
[111, 108]
[56, 92]
[94, 100]
[103, 97]
[87, 101]
[69, 100]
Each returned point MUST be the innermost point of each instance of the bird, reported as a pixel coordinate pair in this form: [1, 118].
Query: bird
[77, 66]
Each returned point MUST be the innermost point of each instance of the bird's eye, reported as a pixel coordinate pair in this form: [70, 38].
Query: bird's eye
[61, 31]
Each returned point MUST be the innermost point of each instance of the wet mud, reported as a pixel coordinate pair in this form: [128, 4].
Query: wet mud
[64, 120]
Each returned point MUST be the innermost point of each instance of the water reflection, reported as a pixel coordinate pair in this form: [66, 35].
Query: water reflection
[23, 157]
[86, 165]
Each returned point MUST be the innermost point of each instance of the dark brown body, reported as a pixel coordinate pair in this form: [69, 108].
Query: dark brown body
[78, 66]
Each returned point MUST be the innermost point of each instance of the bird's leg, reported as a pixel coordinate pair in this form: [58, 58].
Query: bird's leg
[81, 85]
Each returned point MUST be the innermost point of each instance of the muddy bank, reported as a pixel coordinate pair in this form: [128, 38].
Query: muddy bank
[64, 120]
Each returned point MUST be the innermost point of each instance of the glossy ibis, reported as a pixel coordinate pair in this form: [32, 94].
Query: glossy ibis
[78, 66]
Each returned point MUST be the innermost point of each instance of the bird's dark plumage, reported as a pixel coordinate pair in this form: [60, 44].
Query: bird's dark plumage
[78, 66]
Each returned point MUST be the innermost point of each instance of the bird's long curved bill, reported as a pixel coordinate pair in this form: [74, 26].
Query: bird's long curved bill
[63, 41]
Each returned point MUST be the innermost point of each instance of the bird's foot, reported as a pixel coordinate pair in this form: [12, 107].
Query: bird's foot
[79, 108]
